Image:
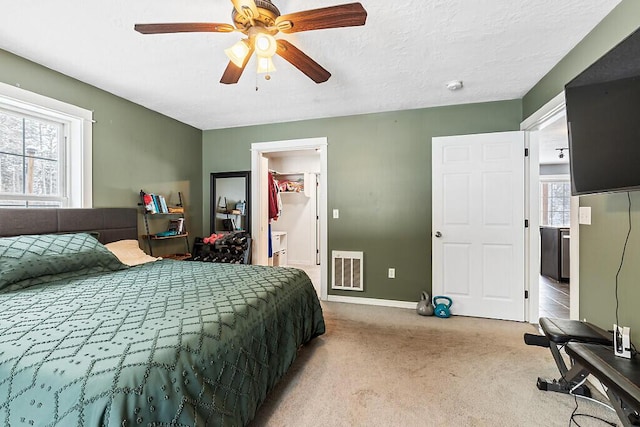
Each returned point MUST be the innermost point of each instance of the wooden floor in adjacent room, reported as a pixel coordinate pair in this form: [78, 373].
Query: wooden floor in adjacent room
[554, 298]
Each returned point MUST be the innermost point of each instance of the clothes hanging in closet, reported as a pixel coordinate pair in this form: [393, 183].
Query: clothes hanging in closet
[274, 198]
[275, 207]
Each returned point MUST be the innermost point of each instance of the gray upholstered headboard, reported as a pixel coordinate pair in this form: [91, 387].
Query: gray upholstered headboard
[112, 223]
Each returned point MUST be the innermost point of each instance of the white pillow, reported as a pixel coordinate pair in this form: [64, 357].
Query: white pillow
[129, 252]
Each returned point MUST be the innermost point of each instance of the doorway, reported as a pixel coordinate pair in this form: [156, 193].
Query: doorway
[295, 174]
[553, 216]
[294, 160]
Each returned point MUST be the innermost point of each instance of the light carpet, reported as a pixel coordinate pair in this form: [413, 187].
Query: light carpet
[380, 366]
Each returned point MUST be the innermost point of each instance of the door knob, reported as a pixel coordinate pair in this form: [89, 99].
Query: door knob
[438, 234]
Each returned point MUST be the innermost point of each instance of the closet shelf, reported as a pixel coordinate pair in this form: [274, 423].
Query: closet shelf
[288, 173]
[294, 182]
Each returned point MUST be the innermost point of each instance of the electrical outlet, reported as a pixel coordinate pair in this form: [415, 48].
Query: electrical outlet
[392, 273]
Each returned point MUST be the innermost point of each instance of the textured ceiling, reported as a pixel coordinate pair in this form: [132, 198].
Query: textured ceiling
[401, 59]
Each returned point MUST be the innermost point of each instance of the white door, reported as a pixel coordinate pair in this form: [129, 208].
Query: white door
[259, 209]
[478, 223]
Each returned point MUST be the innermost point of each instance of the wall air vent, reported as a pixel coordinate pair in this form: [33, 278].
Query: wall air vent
[347, 270]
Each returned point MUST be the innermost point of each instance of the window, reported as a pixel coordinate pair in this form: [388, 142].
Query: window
[45, 151]
[31, 161]
[555, 203]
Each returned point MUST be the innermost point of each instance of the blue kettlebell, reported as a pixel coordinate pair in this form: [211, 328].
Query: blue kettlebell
[443, 309]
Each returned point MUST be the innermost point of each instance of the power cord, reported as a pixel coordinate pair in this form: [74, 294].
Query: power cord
[574, 414]
[589, 398]
[617, 335]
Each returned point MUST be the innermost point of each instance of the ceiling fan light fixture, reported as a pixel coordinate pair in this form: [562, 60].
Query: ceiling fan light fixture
[265, 65]
[238, 52]
[260, 21]
[265, 45]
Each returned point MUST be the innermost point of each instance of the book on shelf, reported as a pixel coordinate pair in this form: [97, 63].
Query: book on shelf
[163, 204]
[176, 225]
[157, 204]
[147, 201]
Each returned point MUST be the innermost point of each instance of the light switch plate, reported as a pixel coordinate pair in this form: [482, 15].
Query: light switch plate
[584, 215]
[336, 213]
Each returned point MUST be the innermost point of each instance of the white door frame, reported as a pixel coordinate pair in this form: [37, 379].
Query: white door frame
[260, 222]
[532, 197]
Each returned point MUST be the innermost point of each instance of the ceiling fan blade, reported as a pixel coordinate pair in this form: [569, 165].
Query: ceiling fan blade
[232, 73]
[302, 62]
[247, 8]
[346, 15]
[184, 27]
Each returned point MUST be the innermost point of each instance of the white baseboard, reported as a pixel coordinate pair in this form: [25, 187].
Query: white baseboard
[373, 301]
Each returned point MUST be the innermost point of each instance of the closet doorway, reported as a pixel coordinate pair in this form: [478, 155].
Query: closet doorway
[299, 236]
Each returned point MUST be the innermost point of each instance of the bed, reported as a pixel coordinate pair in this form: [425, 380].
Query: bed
[88, 341]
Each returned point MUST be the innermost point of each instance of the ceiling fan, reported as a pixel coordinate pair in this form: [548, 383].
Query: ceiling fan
[260, 21]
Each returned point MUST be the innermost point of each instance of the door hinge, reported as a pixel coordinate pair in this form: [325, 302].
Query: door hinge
[526, 223]
[526, 152]
[526, 294]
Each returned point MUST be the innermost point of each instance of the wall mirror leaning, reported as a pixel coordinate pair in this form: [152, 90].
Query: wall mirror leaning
[230, 202]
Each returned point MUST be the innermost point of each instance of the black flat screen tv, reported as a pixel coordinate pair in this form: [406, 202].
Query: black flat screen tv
[603, 118]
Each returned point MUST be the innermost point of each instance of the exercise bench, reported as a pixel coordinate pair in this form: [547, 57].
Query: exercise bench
[557, 333]
[591, 351]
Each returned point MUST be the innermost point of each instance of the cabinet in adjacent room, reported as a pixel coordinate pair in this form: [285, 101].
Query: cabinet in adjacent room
[554, 252]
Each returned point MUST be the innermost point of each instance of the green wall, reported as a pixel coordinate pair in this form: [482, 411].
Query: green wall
[379, 176]
[601, 242]
[133, 147]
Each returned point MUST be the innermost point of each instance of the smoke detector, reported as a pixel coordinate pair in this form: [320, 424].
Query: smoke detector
[454, 85]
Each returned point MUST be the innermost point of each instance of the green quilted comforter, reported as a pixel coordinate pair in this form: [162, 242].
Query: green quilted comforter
[169, 343]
